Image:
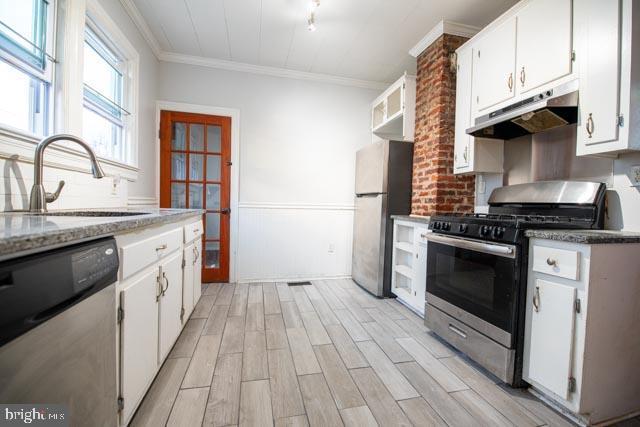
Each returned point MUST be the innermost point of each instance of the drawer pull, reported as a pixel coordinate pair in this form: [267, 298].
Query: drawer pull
[457, 331]
[161, 247]
[552, 262]
[536, 299]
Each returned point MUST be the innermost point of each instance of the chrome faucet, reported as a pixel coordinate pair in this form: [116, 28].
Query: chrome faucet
[39, 197]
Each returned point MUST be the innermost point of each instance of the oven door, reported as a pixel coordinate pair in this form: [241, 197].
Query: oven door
[475, 282]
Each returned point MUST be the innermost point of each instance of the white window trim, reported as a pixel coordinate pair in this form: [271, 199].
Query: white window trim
[67, 93]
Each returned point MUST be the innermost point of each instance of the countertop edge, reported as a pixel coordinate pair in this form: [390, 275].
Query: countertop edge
[412, 218]
[587, 237]
[16, 246]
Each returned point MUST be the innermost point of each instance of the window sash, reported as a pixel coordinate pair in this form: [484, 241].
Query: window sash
[36, 55]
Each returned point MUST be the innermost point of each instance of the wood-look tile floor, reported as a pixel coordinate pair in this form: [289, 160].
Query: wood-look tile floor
[328, 354]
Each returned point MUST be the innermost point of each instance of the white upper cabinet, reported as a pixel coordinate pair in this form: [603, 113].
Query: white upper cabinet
[393, 112]
[607, 51]
[544, 43]
[471, 154]
[494, 66]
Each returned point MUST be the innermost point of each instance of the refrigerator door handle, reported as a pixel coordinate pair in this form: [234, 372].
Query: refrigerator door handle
[369, 194]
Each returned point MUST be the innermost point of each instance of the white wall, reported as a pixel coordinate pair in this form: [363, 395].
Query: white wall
[297, 161]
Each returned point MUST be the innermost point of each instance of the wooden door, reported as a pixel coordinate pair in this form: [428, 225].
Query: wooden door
[195, 172]
[494, 66]
[543, 56]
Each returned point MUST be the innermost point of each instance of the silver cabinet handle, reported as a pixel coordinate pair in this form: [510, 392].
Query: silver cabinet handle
[552, 262]
[589, 125]
[510, 82]
[166, 280]
[196, 254]
[522, 76]
[161, 247]
[536, 299]
[457, 331]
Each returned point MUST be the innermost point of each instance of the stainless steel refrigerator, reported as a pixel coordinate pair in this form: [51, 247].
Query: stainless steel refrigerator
[383, 188]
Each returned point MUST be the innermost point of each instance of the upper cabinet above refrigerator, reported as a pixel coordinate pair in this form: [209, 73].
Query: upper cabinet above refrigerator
[393, 112]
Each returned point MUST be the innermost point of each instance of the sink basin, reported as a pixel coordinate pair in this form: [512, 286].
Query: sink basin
[92, 213]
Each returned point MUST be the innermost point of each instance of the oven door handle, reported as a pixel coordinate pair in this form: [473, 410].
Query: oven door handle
[507, 251]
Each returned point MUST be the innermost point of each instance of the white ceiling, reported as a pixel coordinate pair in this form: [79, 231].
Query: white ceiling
[358, 39]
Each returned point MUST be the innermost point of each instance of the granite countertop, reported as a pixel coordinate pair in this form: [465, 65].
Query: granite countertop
[413, 218]
[589, 237]
[22, 232]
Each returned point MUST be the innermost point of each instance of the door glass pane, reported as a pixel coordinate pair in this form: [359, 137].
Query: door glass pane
[213, 197]
[196, 138]
[212, 254]
[195, 196]
[213, 167]
[178, 195]
[178, 166]
[178, 136]
[195, 167]
[214, 137]
[213, 226]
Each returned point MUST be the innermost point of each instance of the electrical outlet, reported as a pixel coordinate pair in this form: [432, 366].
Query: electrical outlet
[332, 248]
[635, 175]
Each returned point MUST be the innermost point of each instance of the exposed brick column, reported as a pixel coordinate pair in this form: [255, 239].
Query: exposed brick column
[435, 188]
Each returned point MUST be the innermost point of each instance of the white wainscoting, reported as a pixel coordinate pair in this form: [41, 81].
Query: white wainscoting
[278, 242]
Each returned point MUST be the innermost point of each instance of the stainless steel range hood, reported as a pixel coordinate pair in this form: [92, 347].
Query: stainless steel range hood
[546, 110]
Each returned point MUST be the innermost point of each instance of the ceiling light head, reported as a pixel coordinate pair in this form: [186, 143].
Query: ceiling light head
[311, 22]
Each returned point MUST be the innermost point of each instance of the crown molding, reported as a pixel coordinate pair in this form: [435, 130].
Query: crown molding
[269, 71]
[443, 27]
[222, 64]
[142, 25]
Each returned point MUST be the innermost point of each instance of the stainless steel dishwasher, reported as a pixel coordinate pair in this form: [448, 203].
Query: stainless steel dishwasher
[58, 331]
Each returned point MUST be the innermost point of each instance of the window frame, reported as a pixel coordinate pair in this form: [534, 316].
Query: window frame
[24, 62]
[107, 33]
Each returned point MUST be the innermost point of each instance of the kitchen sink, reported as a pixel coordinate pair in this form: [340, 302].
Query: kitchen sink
[91, 213]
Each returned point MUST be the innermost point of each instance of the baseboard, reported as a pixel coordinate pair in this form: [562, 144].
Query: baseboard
[293, 279]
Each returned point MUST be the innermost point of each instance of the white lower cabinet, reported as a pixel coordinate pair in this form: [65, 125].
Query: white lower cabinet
[170, 277]
[154, 304]
[409, 270]
[582, 345]
[138, 339]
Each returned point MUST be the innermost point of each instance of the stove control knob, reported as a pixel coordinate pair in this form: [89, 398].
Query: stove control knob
[463, 228]
[446, 226]
[436, 225]
[498, 232]
[485, 230]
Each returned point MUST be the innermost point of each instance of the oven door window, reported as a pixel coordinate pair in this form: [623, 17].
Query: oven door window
[479, 283]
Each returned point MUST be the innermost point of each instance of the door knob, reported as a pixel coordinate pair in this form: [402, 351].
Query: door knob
[225, 211]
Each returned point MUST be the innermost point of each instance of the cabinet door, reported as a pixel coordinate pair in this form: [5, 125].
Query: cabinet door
[599, 60]
[197, 272]
[544, 43]
[187, 281]
[419, 283]
[494, 66]
[551, 340]
[170, 303]
[138, 339]
[463, 109]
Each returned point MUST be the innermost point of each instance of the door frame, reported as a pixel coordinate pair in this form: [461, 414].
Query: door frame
[234, 114]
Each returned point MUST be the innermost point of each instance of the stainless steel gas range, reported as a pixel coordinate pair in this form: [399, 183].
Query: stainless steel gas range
[476, 267]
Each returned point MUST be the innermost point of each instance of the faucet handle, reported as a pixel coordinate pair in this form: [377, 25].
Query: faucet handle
[52, 197]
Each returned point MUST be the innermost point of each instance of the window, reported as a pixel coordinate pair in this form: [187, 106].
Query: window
[26, 64]
[104, 115]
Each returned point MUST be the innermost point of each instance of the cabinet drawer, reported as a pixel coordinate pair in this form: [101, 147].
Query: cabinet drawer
[139, 255]
[193, 231]
[556, 262]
